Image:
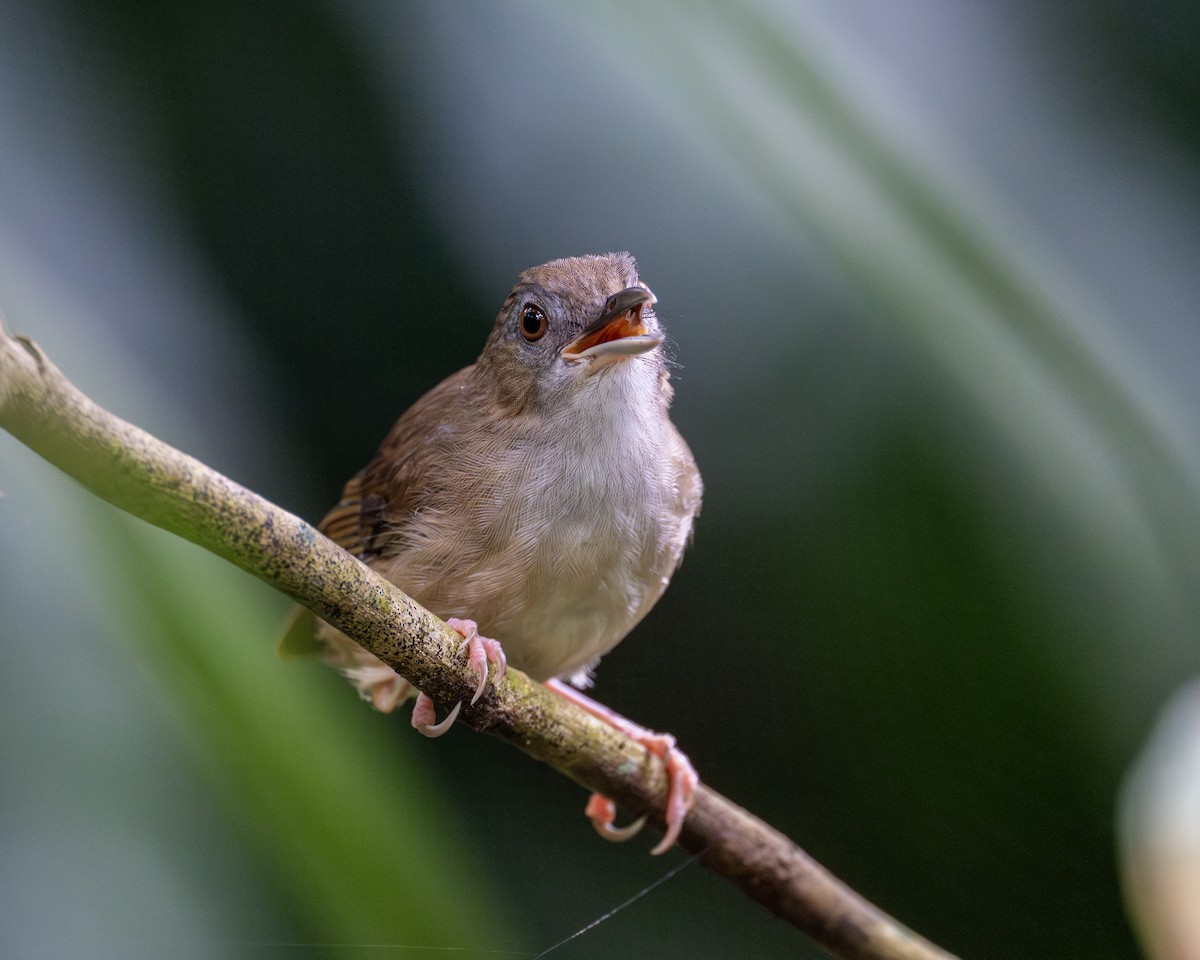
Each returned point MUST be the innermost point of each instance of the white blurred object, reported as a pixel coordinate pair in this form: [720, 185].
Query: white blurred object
[1160, 832]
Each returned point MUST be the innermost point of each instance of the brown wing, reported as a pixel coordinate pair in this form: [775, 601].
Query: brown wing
[380, 499]
[357, 521]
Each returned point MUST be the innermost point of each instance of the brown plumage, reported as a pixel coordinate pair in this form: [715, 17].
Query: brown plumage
[542, 491]
[545, 495]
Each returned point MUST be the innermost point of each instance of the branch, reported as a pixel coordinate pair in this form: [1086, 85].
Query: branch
[151, 480]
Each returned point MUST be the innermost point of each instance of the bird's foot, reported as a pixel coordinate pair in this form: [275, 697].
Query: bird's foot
[480, 652]
[682, 778]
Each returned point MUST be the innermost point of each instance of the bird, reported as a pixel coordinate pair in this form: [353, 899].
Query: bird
[538, 500]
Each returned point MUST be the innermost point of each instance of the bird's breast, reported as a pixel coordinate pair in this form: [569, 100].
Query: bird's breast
[562, 544]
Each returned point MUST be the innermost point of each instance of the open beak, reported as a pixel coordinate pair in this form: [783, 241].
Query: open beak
[619, 330]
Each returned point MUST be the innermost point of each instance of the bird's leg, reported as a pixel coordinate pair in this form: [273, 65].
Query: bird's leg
[480, 652]
[682, 779]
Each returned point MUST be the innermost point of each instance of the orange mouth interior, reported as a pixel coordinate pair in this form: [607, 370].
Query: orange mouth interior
[628, 324]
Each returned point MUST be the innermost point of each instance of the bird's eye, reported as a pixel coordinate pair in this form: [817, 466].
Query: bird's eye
[533, 322]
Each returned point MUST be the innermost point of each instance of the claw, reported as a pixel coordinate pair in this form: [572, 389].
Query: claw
[480, 652]
[423, 717]
[682, 779]
[602, 812]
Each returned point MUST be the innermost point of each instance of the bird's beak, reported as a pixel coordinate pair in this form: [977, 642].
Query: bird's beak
[619, 330]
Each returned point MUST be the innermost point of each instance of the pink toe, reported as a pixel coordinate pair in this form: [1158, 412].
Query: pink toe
[480, 652]
[477, 659]
[681, 775]
[495, 654]
[681, 795]
[468, 628]
[602, 812]
[424, 717]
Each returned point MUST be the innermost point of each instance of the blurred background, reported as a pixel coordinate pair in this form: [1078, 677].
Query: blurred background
[930, 274]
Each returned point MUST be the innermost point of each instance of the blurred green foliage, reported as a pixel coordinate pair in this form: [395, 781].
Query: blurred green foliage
[929, 275]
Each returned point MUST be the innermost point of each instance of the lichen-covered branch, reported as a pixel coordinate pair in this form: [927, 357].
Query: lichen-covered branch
[151, 480]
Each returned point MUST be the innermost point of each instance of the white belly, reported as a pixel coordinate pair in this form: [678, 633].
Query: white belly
[568, 547]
